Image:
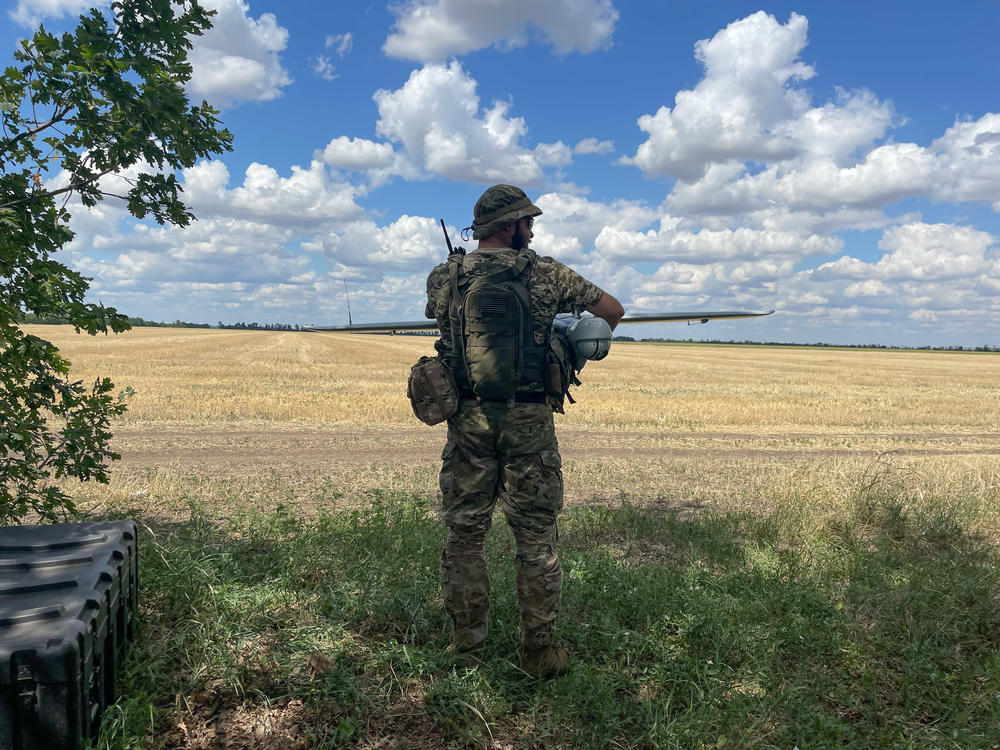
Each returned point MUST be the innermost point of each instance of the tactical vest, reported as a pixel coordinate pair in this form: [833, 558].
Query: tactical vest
[495, 355]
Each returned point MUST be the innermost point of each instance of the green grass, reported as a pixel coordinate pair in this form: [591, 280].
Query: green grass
[877, 627]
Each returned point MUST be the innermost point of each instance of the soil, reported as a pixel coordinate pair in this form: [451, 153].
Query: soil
[207, 448]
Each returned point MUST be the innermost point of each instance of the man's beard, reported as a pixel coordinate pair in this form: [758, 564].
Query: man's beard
[520, 240]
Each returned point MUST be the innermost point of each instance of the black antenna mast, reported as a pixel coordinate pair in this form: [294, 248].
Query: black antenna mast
[451, 251]
[349, 321]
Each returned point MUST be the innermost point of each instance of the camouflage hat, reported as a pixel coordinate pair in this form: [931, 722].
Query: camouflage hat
[499, 206]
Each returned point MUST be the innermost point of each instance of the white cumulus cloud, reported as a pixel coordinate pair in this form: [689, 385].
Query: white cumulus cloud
[867, 288]
[741, 106]
[886, 175]
[308, 196]
[409, 242]
[323, 67]
[216, 250]
[593, 146]
[573, 217]
[921, 252]
[749, 148]
[705, 245]
[340, 43]
[434, 30]
[437, 118]
[356, 153]
[969, 154]
[31, 12]
[924, 252]
[556, 154]
[238, 59]
[363, 247]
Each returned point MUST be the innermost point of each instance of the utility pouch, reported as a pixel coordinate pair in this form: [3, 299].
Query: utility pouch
[553, 381]
[432, 391]
[559, 373]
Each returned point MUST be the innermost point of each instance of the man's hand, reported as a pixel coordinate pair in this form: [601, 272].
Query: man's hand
[609, 308]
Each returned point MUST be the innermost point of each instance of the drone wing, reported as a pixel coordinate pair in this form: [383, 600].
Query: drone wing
[665, 317]
[699, 317]
[423, 325]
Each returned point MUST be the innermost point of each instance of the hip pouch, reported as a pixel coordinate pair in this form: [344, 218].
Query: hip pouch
[559, 373]
[432, 391]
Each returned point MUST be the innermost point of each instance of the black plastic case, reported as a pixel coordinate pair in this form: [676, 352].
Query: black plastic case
[68, 594]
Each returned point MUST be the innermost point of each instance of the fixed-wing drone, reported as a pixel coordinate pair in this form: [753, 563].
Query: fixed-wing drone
[588, 337]
[431, 325]
[664, 317]
[584, 336]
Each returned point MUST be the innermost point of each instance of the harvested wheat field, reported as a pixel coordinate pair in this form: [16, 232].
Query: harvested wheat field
[322, 418]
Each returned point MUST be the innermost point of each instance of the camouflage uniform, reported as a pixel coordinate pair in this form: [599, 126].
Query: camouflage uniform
[495, 452]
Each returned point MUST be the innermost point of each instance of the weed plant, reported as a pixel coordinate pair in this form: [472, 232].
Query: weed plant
[876, 626]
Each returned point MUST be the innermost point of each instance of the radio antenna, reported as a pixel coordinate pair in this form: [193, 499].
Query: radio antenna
[346, 294]
[447, 239]
[451, 250]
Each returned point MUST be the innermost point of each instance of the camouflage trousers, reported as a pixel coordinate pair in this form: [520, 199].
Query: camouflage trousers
[508, 454]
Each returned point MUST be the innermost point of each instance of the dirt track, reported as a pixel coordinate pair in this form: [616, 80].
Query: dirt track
[209, 450]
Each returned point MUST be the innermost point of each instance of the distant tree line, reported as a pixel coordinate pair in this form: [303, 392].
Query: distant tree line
[952, 348]
[142, 322]
[132, 321]
[260, 326]
[241, 326]
[176, 324]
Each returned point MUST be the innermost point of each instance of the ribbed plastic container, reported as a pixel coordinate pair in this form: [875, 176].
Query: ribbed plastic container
[68, 594]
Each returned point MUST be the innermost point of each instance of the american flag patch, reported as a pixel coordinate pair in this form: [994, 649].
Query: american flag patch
[492, 305]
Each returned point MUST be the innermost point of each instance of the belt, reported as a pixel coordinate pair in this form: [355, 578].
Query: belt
[519, 398]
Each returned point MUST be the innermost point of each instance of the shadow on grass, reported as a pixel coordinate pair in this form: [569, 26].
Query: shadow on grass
[880, 628]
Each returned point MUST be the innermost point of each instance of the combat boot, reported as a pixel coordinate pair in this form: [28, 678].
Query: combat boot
[465, 657]
[544, 661]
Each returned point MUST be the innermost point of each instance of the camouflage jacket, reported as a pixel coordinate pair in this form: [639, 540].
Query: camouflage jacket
[555, 288]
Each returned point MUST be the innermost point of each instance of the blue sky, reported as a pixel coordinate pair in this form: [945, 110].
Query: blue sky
[837, 162]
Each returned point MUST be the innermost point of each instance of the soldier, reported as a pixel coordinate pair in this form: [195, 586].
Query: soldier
[504, 448]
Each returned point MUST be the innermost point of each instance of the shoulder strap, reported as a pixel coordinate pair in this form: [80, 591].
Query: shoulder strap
[455, 265]
[533, 356]
[524, 262]
[521, 266]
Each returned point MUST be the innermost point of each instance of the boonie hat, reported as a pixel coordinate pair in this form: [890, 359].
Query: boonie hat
[498, 206]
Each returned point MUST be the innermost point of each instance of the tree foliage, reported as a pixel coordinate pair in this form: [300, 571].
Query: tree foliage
[106, 99]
